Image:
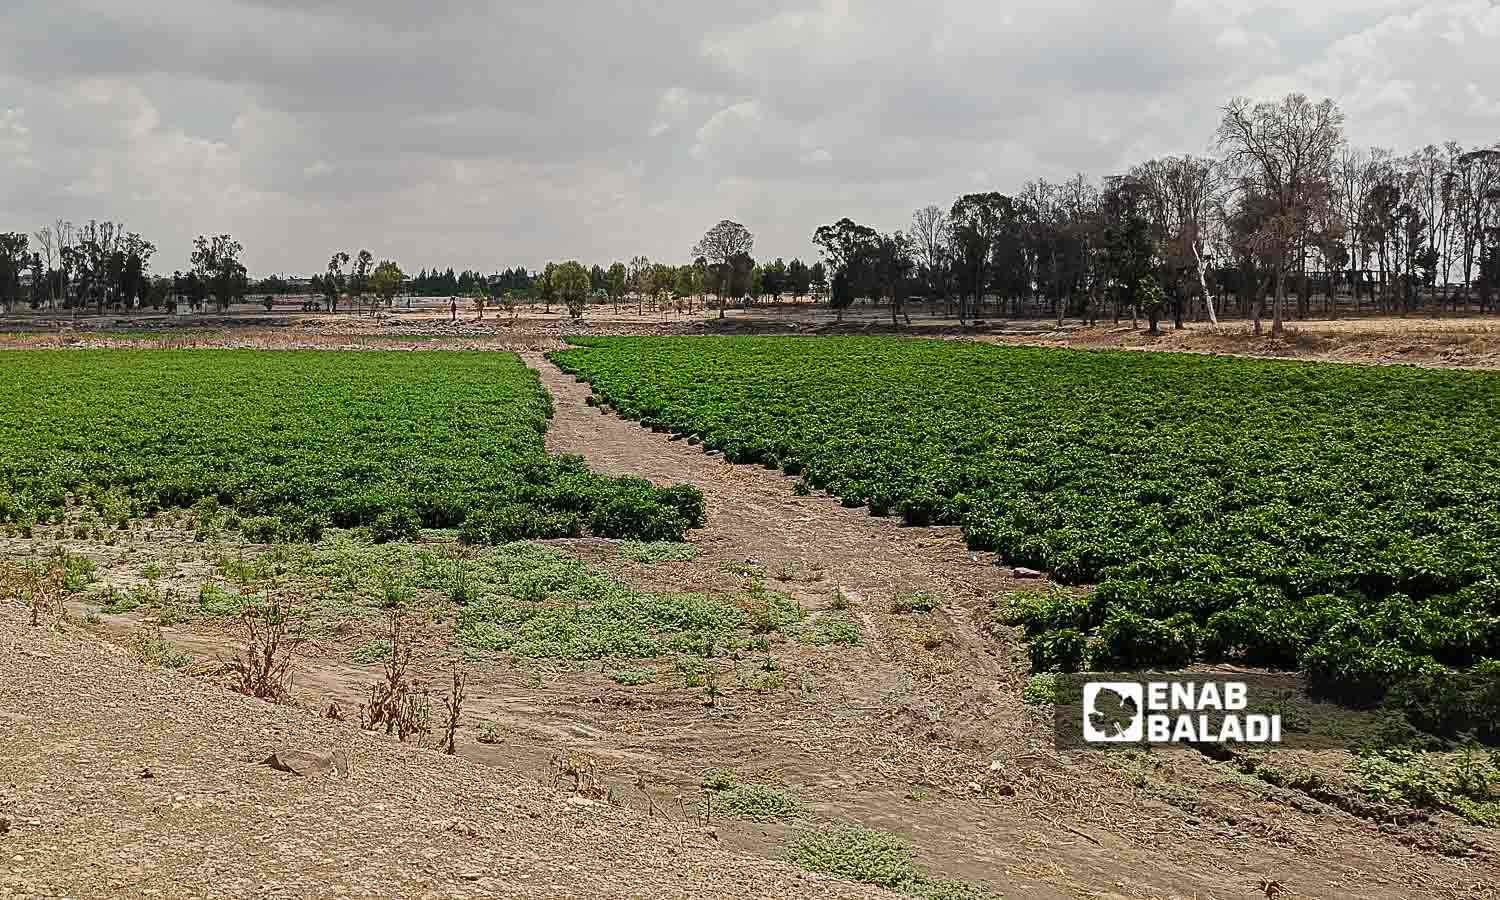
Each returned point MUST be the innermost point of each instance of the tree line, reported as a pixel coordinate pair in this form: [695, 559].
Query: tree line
[1286, 210]
[104, 266]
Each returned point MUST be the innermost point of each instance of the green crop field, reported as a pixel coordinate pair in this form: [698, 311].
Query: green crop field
[294, 441]
[1344, 520]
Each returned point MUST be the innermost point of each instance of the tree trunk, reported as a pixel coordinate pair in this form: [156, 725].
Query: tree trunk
[1278, 300]
[1208, 300]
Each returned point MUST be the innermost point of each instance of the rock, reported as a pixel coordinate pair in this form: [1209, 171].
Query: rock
[471, 876]
[581, 801]
[1005, 790]
[1023, 572]
[997, 766]
[304, 763]
[712, 832]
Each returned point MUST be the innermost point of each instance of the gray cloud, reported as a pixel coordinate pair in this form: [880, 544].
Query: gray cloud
[486, 134]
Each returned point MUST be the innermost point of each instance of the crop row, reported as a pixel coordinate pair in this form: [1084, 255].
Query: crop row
[301, 440]
[1343, 520]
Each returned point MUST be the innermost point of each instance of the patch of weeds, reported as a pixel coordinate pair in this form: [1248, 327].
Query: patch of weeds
[1470, 786]
[1040, 690]
[219, 603]
[489, 733]
[920, 602]
[692, 672]
[632, 677]
[765, 682]
[749, 801]
[151, 571]
[561, 609]
[840, 599]
[826, 630]
[170, 609]
[113, 602]
[392, 591]
[772, 612]
[657, 551]
[877, 858]
[461, 585]
[149, 646]
[78, 571]
[371, 651]
[720, 779]
[1304, 780]
[928, 638]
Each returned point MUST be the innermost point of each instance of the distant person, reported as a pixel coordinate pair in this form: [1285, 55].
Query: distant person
[453, 310]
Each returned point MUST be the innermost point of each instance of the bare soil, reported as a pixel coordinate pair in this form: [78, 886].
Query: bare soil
[1471, 342]
[919, 730]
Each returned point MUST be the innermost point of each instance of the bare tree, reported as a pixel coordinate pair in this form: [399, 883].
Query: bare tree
[929, 240]
[720, 245]
[1183, 191]
[1286, 148]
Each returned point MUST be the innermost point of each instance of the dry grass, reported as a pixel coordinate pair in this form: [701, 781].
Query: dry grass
[453, 704]
[394, 702]
[39, 586]
[264, 670]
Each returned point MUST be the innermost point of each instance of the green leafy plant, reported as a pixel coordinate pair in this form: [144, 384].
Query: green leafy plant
[878, 858]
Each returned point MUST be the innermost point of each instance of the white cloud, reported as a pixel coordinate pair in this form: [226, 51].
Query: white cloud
[496, 132]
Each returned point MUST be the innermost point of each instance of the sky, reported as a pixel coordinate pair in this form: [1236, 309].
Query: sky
[478, 134]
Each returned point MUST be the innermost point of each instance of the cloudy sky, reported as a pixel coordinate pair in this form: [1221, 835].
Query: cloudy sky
[485, 134]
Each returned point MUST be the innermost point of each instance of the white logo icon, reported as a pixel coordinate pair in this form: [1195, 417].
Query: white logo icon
[1108, 728]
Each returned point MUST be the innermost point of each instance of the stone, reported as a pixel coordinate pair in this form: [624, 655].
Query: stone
[305, 763]
[1023, 572]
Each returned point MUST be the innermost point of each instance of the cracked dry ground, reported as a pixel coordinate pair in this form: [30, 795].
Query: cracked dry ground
[925, 738]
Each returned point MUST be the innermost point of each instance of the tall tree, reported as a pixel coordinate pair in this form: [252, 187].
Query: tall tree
[570, 280]
[216, 260]
[848, 248]
[359, 278]
[720, 245]
[614, 284]
[14, 259]
[929, 239]
[1286, 149]
[386, 281]
[334, 279]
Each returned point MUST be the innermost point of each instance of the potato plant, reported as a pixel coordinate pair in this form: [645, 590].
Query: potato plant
[1344, 520]
[293, 441]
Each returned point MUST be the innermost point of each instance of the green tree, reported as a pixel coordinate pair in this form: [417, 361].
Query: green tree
[13, 259]
[386, 281]
[720, 245]
[546, 285]
[846, 245]
[614, 284]
[333, 280]
[571, 282]
[359, 278]
[216, 261]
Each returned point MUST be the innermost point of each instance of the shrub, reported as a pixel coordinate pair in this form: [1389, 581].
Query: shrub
[262, 529]
[400, 524]
[920, 602]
